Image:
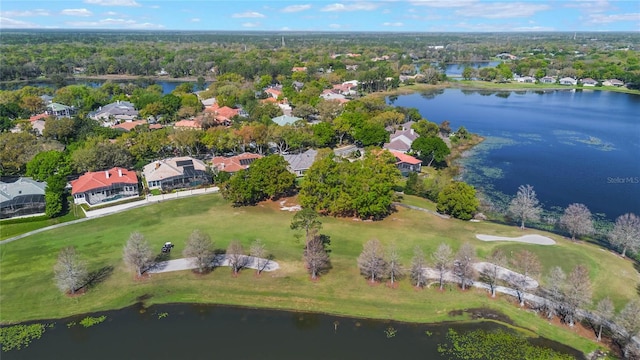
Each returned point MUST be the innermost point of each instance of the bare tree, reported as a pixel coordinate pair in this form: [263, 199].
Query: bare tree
[491, 272]
[577, 293]
[315, 256]
[235, 256]
[577, 220]
[200, 249]
[442, 260]
[259, 252]
[395, 270]
[137, 253]
[626, 233]
[463, 266]
[70, 273]
[604, 313]
[418, 277]
[371, 261]
[528, 267]
[555, 284]
[629, 321]
[525, 206]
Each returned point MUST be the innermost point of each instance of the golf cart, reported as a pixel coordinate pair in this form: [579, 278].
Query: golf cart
[166, 248]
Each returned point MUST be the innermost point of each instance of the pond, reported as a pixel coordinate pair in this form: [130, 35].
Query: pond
[181, 331]
[571, 146]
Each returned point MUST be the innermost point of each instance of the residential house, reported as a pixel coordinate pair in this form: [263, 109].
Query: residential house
[299, 69]
[46, 99]
[273, 92]
[612, 82]
[547, 80]
[351, 67]
[60, 110]
[331, 95]
[349, 152]
[21, 196]
[285, 120]
[588, 82]
[234, 164]
[208, 102]
[130, 125]
[525, 79]
[176, 173]
[297, 85]
[38, 122]
[223, 115]
[113, 113]
[401, 140]
[568, 81]
[300, 163]
[406, 163]
[98, 187]
[188, 124]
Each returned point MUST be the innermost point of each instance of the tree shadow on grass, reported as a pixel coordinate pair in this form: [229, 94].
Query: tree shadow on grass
[96, 277]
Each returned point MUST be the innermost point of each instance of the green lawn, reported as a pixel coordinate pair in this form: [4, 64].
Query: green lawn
[11, 228]
[29, 293]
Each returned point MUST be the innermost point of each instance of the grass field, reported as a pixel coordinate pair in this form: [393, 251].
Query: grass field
[28, 292]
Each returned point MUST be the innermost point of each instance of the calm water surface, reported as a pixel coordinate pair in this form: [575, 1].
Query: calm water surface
[581, 146]
[216, 332]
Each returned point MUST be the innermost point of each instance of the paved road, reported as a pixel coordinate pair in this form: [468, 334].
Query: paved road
[220, 260]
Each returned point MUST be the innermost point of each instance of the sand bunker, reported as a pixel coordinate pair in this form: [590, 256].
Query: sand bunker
[529, 239]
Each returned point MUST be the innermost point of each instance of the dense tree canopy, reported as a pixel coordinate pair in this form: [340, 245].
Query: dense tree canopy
[459, 200]
[361, 188]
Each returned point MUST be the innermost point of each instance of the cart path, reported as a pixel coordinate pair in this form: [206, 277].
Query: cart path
[219, 260]
[529, 239]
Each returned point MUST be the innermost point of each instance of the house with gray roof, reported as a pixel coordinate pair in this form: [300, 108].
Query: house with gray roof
[401, 140]
[176, 173]
[285, 120]
[60, 110]
[113, 113]
[21, 196]
[300, 163]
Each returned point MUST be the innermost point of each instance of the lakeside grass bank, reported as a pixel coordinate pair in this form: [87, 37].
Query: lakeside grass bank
[29, 293]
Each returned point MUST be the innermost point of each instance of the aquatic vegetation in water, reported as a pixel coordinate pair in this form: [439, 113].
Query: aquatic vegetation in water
[533, 137]
[91, 321]
[20, 336]
[390, 332]
[163, 315]
[498, 344]
[575, 138]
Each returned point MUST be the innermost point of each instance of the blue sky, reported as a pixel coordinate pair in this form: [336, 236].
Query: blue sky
[320, 15]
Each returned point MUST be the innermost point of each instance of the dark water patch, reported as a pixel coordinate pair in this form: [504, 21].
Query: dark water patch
[179, 331]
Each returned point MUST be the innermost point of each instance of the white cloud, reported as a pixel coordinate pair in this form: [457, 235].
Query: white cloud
[25, 13]
[251, 24]
[606, 19]
[7, 23]
[335, 26]
[502, 10]
[392, 24]
[490, 27]
[443, 3]
[296, 8]
[367, 6]
[248, 14]
[112, 2]
[195, 20]
[590, 6]
[111, 13]
[76, 12]
[110, 23]
[286, 28]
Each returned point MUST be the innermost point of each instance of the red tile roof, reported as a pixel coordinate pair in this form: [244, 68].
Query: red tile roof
[404, 158]
[234, 163]
[38, 117]
[102, 179]
[188, 124]
[130, 125]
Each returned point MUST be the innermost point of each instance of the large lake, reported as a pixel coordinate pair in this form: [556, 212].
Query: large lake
[217, 332]
[572, 146]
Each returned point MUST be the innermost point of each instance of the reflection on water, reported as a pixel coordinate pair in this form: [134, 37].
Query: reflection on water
[207, 332]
